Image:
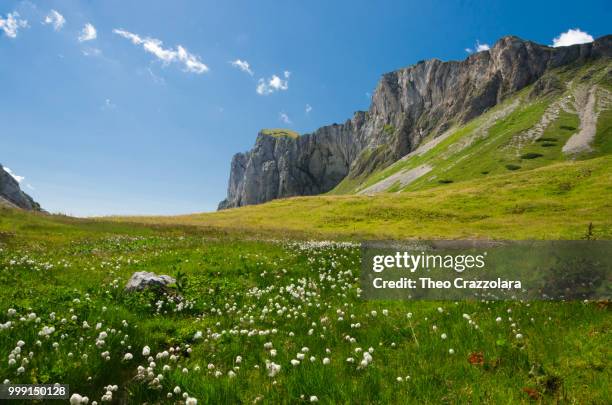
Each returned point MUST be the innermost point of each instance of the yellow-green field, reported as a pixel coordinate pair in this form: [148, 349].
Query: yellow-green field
[553, 202]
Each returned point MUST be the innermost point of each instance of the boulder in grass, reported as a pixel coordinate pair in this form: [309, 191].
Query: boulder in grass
[142, 280]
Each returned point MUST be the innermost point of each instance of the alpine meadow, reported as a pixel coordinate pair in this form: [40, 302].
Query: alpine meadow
[260, 301]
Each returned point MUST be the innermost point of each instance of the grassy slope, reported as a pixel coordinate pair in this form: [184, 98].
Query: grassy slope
[493, 154]
[76, 268]
[280, 132]
[555, 201]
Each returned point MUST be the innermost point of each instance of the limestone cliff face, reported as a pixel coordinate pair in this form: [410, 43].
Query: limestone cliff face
[12, 196]
[407, 105]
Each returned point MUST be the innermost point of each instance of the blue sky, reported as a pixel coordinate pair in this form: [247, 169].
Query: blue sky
[106, 119]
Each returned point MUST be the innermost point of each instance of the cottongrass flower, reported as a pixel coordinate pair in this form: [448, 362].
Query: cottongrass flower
[128, 356]
[519, 336]
[399, 379]
[146, 351]
[273, 368]
[313, 398]
[451, 351]
[443, 336]
[326, 361]
[191, 401]
[295, 362]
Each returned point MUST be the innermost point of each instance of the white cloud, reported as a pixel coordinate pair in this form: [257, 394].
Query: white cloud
[109, 105]
[154, 46]
[91, 52]
[572, 37]
[88, 33]
[274, 83]
[13, 175]
[308, 108]
[284, 118]
[11, 24]
[242, 65]
[56, 19]
[478, 47]
[482, 47]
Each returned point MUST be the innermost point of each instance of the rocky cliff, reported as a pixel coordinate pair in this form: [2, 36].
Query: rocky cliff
[12, 196]
[408, 104]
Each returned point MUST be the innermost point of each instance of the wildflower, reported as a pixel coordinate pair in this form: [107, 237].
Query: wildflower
[191, 401]
[313, 398]
[272, 368]
[238, 359]
[399, 379]
[519, 336]
[76, 399]
[300, 356]
[146, 351]
[231, 374]
[295, 362]
[128, 356]
[198, 335]
[443, 336]
[451, 351]
[326, 361]
[177, 390]
[498, 319]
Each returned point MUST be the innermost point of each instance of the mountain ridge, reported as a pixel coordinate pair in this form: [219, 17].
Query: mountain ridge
[11, 194]
[409, 105]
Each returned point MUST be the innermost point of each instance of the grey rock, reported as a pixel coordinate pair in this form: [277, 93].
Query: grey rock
[11, 194]
[141, 280]
[407, 105]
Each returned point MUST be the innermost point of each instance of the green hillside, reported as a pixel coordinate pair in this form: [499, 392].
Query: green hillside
[526, 131]
[280, 133]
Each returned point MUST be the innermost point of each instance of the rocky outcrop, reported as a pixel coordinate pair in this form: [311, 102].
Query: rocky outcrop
[11, 194]
[407, 105]
[142, 280]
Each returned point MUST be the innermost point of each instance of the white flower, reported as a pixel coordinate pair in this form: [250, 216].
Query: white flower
[273, 368]
[177, 390]
[443, 336]
[231, 374]
[20, 343]
[498, 319]
[300, 356]
[451, 351]
[238, 359]
[326, 360]
[146, 351]
[198, 335]
[519, 336]
[273, 352]
[128, 356]
[399, 379]
[191, 401]
[76, 399]
[313, 398]
[295, 362]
